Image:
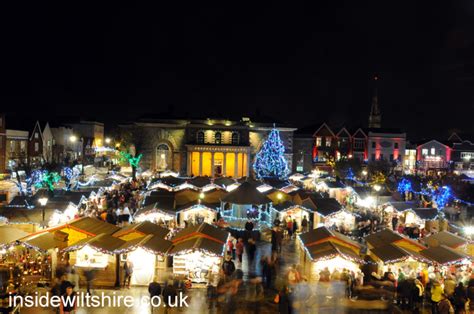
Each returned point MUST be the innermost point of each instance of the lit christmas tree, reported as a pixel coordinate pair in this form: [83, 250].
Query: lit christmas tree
[270, 160]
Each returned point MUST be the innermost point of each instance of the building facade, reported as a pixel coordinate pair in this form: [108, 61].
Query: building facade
[16, 147]
[433, 156]
[35, 146]
[463, 156]
[211, 147]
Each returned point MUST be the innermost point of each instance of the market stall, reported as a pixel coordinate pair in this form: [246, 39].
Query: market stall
[197, 250]
[323, 249]
[196, 213]
[244, 203]
[290, 210]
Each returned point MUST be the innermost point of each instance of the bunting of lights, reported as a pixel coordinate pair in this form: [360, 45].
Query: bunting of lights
[270, 161]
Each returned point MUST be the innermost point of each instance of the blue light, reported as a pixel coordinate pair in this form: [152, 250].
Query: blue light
[270, 161]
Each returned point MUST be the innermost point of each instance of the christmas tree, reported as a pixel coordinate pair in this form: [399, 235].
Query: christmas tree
[270, 160]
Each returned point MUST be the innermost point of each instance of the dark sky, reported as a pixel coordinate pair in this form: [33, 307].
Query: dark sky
[295, 63]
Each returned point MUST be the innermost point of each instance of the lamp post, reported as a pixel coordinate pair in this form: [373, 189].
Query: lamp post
[201, 197]
[43, 201]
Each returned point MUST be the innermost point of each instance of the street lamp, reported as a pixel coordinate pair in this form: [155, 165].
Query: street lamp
[73, 138]
[43, 201]
[108, 140]
[201, 197]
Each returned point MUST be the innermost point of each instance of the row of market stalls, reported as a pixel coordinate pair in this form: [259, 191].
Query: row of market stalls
[90, 245]
[383, 251]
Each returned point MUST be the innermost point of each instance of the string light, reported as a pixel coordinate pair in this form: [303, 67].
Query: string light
[270, 161]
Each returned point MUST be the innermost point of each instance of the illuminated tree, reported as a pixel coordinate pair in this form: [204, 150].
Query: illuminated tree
[48, 180]
[32, 177]
[70, 176]
[270, 161]
[133, 161]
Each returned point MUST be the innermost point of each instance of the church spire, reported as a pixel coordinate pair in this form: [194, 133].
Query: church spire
[375, 116]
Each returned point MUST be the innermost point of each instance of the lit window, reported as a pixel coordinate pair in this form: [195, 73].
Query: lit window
[36, 147]
[433, 151]
[424, 151]
[36, 135]
[318, 142]
[218, 137]
[328, 141]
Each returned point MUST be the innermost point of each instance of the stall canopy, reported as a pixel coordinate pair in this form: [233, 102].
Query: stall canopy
[246, 194]
[45, 241]
[402, 206]
[426, 213]
[443, 255]
[200, 182]
[104, 243]
[10, 236]
[210, 206]
[392, 253]
[141, 229]
[323, 234]
[283, 207]
[386, 236]
[328, 250]
[166, 199]
[327, 206]
[224, 182]
[203, 230]
[445, 238]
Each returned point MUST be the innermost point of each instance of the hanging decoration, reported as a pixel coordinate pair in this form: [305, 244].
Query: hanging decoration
[270, 161]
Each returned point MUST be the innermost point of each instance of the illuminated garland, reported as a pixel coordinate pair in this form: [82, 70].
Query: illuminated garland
[270, 161]
[440, 195]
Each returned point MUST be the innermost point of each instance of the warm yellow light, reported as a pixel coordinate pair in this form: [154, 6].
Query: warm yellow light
[108, 140]
[201, 195]
[73, 138]
[377, 187]
[364, 172]
[279, 196]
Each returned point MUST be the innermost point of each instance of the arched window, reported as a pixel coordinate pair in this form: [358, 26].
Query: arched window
[235, 138]
[163, 157]
[218, 137]
[200, 137]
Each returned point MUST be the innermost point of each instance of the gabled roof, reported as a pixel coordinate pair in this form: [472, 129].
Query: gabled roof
[343, 131]
[359, 133]
[284, 206]
[329, 249]
[323, 127]
[246, 194]
[443, 255]
[224, 181]
[37, 128]
[402, 206]
[276, 183]
[145, 228]
[327, 206]
[426, 213]
[454, 137]
[198, 244]
[211, 206]
[10, 235]
[102, 242]
[323, 234]
[200, 181]
[432, 141]
[88, 225]
[203, 230]
[44, 241]
[382, 238]
[392, 253]
[445, 238]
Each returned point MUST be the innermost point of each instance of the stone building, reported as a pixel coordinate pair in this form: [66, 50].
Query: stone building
[209, 147]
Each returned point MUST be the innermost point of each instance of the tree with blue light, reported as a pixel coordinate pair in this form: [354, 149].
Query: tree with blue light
[270, 161]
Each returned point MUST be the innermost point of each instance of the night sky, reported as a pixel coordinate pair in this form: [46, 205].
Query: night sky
[294, 63]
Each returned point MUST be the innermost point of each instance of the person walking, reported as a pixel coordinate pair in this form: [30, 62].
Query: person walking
[239, 249]
[228, 267]
[436, 296]
[304, 224]
[251, 249]
[295, 227]
[128, 272]
[289, 227]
